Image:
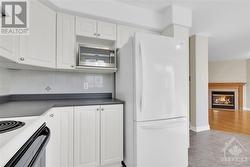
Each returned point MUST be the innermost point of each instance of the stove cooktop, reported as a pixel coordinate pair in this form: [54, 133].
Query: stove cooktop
[9, 125]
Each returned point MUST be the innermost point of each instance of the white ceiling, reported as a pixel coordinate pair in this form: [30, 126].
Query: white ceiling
[225, 22]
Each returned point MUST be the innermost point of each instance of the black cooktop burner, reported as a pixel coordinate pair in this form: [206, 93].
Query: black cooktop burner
[6, 126]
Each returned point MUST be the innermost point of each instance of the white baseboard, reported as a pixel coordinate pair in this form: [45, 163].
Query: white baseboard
[199, 128]
[246, 109]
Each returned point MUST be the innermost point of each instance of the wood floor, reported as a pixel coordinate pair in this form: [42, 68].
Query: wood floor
[230, 121]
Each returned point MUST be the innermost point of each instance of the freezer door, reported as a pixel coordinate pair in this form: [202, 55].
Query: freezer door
[161, 78]
[162, 144]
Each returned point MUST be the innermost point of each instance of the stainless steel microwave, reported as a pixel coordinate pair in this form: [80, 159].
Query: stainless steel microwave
[92, 56]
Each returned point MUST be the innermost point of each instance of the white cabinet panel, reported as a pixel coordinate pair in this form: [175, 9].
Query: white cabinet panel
[95, 29]
[53, 147]
[66, 56]
[9, 47]
[87, 136]
[66, 136]
[86, 27]
[39, 47]
[111, 134]
[106, 30]
[59, 152]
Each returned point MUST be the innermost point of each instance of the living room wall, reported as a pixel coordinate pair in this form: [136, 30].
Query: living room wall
[228, 71]
[231, 71]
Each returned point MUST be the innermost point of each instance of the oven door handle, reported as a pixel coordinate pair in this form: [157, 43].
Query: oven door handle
[45, 132]
[42, 131]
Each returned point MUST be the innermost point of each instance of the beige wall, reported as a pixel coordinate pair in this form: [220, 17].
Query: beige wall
[231, 71]
[228, 71]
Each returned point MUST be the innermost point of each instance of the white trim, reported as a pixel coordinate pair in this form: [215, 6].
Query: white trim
[247, 109]
[199, 128]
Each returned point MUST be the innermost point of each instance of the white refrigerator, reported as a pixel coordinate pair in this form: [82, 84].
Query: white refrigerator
[153, 80]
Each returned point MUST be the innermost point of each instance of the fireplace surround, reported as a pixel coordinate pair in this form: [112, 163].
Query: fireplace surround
[237, 88]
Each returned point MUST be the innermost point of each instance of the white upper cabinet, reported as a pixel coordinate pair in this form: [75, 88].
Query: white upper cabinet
[9, 47]
[96, 29]
[106, 30]
[66, 54]
[111, 134]
[39, 47]
[86, 27]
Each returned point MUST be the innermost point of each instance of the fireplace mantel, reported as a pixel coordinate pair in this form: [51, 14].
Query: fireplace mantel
[231, 85]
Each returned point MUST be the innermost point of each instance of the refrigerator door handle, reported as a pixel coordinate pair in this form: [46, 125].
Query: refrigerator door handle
[141, 76]
[170, 124]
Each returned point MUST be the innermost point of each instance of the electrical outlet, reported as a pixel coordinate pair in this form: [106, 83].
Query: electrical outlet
[98, 81]
[86, 85]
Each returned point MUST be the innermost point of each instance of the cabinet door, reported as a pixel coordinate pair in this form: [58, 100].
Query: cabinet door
[59, 151]
[106, 30]
[111, 134]
[39, 47]
[86, 27]
[9, 47]
[66, 56]
[87, 136]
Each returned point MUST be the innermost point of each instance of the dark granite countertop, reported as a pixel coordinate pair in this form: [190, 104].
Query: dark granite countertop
[16, 107]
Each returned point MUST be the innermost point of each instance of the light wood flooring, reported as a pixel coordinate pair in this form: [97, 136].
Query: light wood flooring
[230, 121]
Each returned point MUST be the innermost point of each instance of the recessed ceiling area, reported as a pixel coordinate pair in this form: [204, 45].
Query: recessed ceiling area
[225, 22]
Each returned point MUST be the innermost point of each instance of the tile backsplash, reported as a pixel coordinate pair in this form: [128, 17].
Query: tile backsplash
[36, 82]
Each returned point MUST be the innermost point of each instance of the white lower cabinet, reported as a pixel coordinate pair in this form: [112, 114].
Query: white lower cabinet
[59, 152]
[85, 136]
[111, 134]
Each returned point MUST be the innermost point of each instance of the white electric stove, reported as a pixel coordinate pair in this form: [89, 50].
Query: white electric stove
[17, 136]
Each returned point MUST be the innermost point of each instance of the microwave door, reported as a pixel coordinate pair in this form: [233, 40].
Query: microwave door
[96, 57]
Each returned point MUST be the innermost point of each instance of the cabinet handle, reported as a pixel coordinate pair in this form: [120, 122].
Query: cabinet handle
[51, 115]
[102, 109]
[21, 58]
[95, 34]
[72, 66]
[97, 109]
[98, 35]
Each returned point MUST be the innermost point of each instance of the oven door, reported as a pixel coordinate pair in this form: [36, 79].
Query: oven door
[32, 153]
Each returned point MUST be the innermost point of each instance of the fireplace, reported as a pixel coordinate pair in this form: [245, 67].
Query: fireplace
[219, 88]
[223, 99]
